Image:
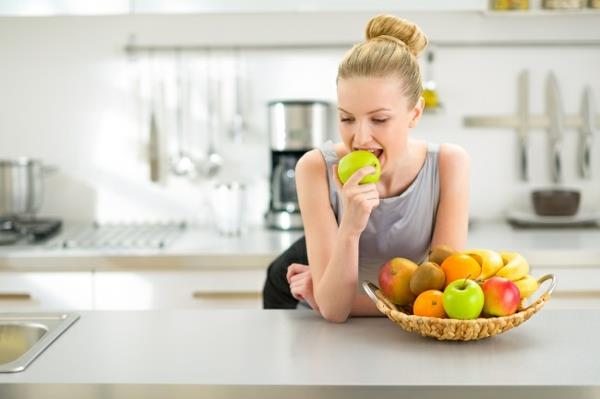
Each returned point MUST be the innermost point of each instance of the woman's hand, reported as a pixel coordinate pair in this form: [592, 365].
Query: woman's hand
[358, 200]
[301, 284]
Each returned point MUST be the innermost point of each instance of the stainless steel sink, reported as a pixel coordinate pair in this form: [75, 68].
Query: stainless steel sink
[24, 336]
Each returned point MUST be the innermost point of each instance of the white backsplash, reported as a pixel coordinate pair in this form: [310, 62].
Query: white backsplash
[71, 97]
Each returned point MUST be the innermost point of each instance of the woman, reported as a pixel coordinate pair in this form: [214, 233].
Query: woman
[420, 200]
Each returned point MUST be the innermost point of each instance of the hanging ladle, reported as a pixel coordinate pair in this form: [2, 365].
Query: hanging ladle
[214, 161]
[182, 164]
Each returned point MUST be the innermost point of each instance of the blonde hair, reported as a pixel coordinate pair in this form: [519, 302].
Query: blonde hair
[391, 48]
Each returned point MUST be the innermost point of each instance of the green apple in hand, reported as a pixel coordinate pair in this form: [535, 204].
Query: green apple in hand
[463, 299]
[356, 160]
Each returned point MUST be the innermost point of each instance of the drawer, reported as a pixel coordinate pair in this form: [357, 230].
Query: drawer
[45, 291]
[142, 290]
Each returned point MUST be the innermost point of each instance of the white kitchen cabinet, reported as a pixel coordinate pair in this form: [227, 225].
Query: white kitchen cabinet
[42, 291]
[578, 287]
[63, 7]
[266, 6]
[144, 290]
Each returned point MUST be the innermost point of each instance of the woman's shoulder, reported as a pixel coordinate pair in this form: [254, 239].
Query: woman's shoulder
[312, 180]
[452, 156]
[454, 166]
[315, 160]
[312, 163]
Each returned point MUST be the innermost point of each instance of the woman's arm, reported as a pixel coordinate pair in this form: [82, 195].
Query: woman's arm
[332, 250]
[452, 221]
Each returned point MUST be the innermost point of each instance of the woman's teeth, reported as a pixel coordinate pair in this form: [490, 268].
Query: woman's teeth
[377, 153]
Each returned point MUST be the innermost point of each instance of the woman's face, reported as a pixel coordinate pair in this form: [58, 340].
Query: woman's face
[375, 115]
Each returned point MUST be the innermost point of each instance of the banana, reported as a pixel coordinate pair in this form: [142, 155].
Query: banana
[490, 261]
[515, 266]
[527, 286]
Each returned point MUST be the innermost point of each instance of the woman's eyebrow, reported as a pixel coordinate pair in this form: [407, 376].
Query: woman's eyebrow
[370, 112]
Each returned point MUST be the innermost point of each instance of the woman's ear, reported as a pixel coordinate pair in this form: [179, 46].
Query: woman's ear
[416, 112]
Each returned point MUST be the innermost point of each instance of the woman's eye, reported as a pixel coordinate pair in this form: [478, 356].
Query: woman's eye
[346, 120]
[379, 120]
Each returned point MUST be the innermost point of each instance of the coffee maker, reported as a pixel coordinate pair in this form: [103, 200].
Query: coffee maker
[295, 127]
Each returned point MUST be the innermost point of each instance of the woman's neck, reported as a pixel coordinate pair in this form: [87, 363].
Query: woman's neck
[404, 170]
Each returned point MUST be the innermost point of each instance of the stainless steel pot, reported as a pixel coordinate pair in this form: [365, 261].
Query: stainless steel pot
[298, 124]
[21, 187]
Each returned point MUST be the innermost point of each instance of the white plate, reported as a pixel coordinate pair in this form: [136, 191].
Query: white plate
[530, 218]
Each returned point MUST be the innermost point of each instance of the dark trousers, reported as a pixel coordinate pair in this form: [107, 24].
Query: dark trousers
[276, 291]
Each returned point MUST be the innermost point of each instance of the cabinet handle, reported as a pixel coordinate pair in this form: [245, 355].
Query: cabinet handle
[15, 296]
[227, 295]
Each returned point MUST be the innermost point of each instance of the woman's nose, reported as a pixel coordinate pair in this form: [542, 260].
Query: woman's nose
[362, 135]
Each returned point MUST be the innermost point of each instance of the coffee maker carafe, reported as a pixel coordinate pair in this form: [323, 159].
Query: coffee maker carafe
[295, 127]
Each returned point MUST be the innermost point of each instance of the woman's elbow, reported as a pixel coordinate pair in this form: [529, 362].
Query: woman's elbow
[334, 315]
[331, 308]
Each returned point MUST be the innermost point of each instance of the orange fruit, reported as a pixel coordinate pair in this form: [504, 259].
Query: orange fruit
[460, 266]
[430, 303]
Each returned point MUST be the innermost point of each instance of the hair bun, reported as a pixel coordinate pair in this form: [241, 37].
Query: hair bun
[401, 29]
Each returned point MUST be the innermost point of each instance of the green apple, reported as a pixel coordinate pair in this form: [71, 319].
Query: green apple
[463, 299]
[356, 160]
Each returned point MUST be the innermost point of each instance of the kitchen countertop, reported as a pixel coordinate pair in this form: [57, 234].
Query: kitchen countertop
[257, 353]
[203, 248]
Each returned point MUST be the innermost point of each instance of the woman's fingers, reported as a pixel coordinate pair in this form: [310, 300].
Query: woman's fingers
[363, 188]
[299, 276]
[295, 268]
[355, 179]
[297, 290]
[300, 284]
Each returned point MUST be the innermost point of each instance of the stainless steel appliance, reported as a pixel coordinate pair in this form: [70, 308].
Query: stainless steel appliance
[27, 230]
[21, 194]
[21, 187]
[295, 127]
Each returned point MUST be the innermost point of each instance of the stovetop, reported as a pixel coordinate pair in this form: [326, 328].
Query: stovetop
[28, 230]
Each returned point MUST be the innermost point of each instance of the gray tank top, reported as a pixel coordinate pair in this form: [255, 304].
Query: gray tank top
[401, 226]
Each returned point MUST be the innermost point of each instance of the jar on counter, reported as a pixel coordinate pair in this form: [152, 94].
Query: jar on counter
[563, 4]
[504, 5]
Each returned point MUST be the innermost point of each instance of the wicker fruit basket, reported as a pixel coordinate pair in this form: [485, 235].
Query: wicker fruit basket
[453, 329]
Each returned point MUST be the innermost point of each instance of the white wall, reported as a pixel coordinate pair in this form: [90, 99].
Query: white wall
[70, 96]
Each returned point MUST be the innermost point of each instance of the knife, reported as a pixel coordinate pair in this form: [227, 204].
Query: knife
[523, 121]
[555, 128]
[586, 133]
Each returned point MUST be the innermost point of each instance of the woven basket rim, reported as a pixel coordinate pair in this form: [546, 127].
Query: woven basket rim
[533, 308]
[456, 329]
[392, 310]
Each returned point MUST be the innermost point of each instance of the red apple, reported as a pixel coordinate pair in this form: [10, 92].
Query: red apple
[502, 296]
[394, 280]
